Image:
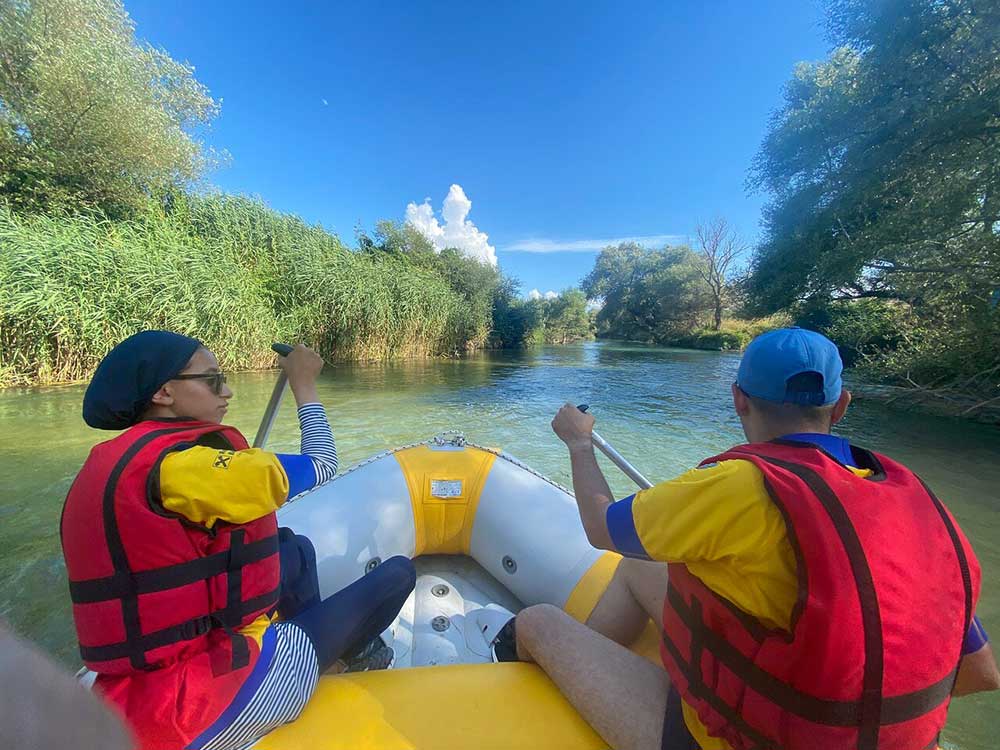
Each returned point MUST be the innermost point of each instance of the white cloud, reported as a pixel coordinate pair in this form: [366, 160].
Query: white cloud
[535, 294]
[325, 102]
[588, 246]
[457, 231]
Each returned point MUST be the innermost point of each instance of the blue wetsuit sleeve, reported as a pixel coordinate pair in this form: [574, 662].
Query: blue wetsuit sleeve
[976, 638]
[300, 471]
[621, 529]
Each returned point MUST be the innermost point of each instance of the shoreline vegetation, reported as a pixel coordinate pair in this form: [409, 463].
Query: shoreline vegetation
[881, 227]
[240, 276]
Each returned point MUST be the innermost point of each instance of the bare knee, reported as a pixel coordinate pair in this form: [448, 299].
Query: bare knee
[536, 621]
[534, 628]
[642, 569]
[647, 582]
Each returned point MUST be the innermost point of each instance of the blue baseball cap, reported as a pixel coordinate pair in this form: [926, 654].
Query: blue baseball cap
[773, 358]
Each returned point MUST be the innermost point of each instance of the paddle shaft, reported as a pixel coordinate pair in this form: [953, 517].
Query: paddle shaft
[617, 458]
[267, 421]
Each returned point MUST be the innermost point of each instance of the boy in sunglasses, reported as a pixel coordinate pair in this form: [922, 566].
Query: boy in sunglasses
[177, 567]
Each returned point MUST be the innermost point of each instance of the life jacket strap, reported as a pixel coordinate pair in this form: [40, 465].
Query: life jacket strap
[895, 709]
[701, 691]
[125, 583]
[186, 631]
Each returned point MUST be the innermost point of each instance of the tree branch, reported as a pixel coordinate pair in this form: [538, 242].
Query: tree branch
[901, 268]
[76, 122]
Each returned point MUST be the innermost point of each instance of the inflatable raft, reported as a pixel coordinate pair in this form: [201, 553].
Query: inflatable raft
[488, 536]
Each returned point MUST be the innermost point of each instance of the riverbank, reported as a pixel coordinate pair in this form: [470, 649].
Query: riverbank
[938, 403]
[239, 276]
[733, 335]
[228, 270]
[272, 367]
[955, 403]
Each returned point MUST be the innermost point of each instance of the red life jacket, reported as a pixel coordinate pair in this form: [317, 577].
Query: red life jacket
[887, 589]
[156, 596]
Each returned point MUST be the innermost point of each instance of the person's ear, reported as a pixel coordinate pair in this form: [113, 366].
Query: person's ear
[840, 408]
[163, 397]
[740, 401]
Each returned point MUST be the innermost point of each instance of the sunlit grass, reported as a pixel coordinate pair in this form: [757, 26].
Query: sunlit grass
[229, 271]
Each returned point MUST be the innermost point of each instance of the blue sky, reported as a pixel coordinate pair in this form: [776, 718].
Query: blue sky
[565, 124]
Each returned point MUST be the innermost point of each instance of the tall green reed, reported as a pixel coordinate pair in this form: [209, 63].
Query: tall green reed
[228, 270]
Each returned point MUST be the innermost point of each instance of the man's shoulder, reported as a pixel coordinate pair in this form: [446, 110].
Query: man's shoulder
[731, 480]
[725, 468]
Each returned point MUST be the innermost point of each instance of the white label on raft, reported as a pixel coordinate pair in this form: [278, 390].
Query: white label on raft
[446, 488]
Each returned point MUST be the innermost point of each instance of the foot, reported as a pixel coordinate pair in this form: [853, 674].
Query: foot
[504, 646]
[376, 655]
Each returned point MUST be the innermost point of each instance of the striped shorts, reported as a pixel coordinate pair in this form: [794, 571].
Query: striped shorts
[282, 692]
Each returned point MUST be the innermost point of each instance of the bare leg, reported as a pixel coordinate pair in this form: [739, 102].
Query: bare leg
[620, 694]
[635, 594]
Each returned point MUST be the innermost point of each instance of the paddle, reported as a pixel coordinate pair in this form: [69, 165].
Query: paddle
[267, 421]
[617, 458]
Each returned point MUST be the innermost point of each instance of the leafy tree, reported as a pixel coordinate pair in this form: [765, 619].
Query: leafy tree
[560, 320]
[90, 116]
[568, 318]
[514, 319]
[883, 169]
[398, 239]
[648, 295]
[884, 163]
[476, 282]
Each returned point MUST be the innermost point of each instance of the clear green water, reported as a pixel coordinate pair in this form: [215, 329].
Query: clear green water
[665, 409]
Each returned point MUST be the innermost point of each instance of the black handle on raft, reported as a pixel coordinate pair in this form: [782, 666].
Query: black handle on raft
[283, 349]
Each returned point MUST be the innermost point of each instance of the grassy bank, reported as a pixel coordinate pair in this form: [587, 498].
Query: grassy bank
[733, 336]
[228, 270]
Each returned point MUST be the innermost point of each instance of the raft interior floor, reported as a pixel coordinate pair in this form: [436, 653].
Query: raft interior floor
[453, 614]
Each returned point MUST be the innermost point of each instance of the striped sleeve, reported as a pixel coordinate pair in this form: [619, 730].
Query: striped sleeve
[280, 686]
[317, 441]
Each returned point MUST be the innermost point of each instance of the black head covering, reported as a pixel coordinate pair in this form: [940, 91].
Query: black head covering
[131, 373]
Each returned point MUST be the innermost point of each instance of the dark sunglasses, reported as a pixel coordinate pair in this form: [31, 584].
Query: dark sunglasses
[216, 380]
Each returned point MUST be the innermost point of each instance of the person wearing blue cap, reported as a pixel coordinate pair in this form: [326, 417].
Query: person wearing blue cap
[816, 594]
[177, 569]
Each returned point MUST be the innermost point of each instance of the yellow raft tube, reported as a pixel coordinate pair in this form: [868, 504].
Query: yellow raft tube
[488, 536]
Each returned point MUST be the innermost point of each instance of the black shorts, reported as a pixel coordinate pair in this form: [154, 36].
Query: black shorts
[675, 732]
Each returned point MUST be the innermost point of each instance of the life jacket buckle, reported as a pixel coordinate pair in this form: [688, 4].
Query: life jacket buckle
[195, 628]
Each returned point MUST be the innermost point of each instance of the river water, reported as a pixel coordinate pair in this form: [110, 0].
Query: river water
[664, 409]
